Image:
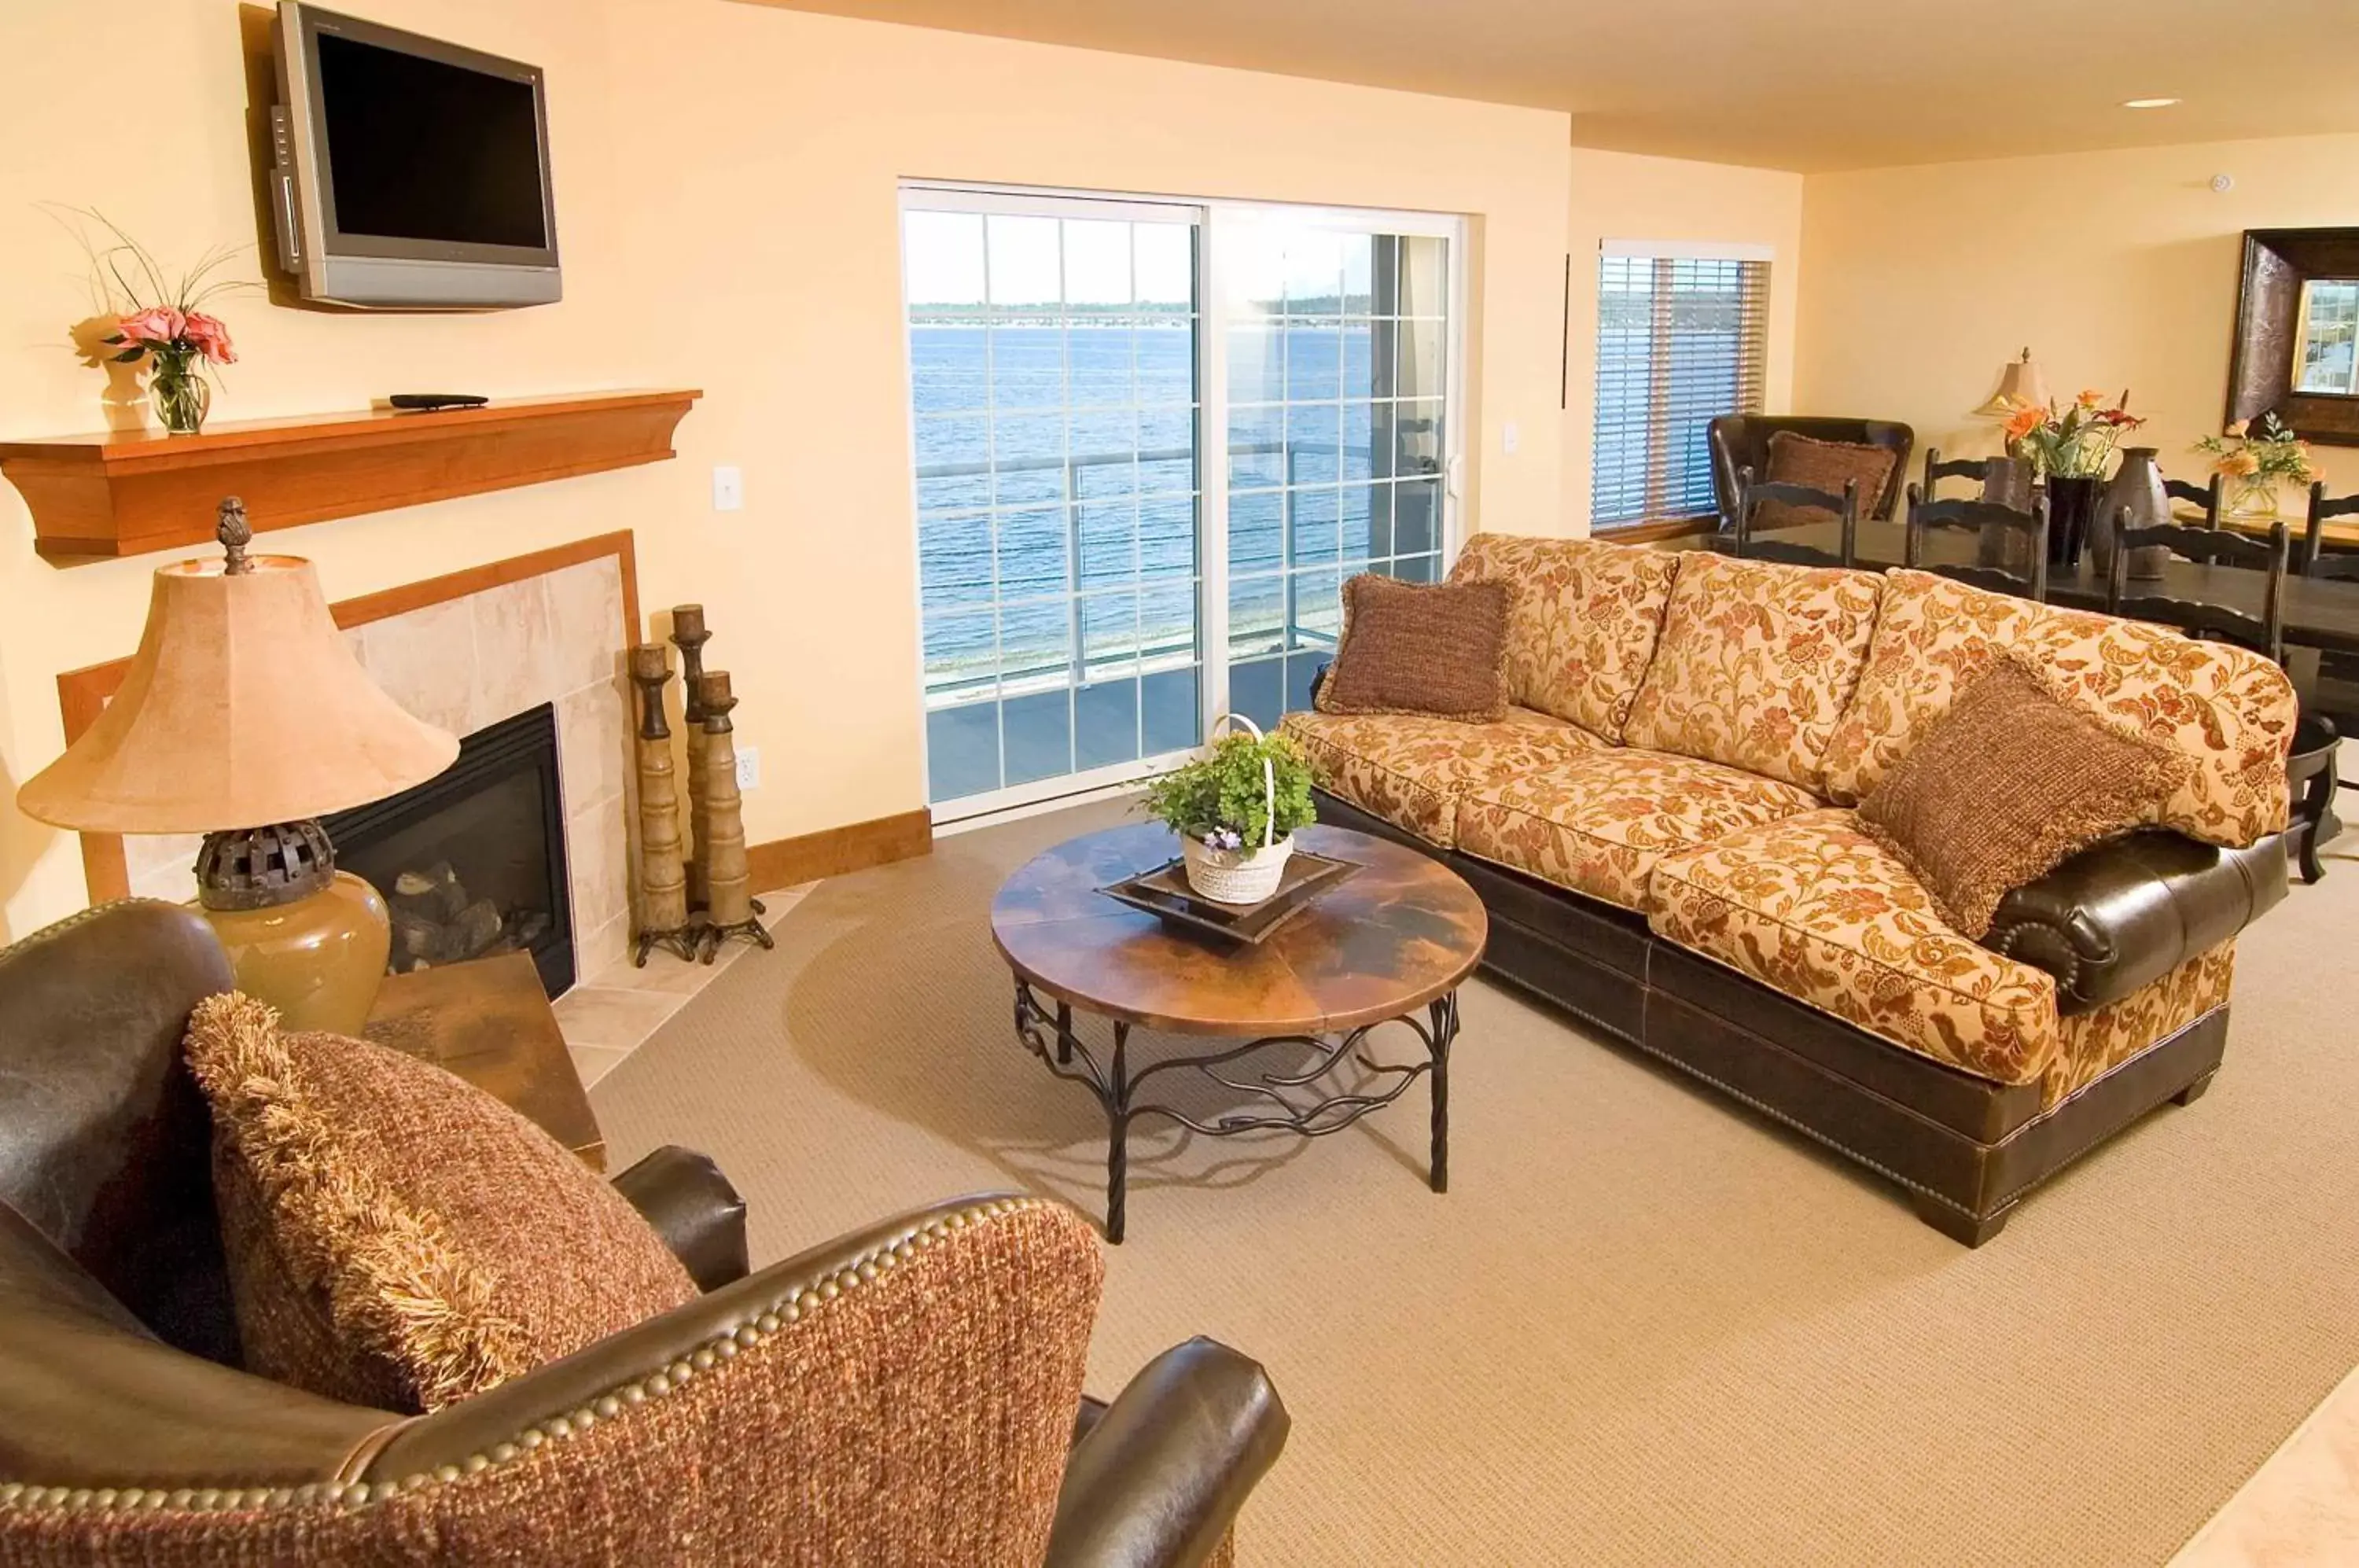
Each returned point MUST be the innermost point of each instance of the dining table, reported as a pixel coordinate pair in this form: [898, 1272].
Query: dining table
[2320, 612]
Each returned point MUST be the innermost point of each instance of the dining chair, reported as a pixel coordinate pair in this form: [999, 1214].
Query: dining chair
[2002, 533]
[2322, 511]
[1752, 493]
[2309, 760]
[1937, 468]
[2206, 496]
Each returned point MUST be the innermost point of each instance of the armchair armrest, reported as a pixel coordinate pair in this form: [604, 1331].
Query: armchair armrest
[902, 1394]
[1156, 1479]
[693, 1206]
[2124, 913]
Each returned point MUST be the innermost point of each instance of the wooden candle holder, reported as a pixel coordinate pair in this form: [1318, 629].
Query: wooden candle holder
[663, 876]
[730, 907]
[690, 634]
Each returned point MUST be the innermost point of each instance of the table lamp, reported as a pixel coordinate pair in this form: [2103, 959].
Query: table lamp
[2018, 383]
[243, 716]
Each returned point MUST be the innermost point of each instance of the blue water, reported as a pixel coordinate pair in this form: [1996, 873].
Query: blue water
[1059, 521]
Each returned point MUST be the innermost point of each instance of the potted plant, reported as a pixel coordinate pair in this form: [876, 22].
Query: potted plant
[1235, 809]
[2254, 465]
[2068, 448]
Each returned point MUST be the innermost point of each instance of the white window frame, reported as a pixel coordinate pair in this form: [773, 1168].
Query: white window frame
[1215, 218]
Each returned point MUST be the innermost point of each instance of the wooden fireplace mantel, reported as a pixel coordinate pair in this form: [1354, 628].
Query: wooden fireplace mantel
[128, 492]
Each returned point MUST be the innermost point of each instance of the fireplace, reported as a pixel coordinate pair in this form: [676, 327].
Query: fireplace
[471, 862]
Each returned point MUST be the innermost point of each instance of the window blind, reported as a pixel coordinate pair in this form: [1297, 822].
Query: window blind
[1680, 340]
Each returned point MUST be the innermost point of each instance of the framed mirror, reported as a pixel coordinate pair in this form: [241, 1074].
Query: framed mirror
[2297, 352]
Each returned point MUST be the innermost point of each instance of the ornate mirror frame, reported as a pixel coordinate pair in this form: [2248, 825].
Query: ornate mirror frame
[2277, 264]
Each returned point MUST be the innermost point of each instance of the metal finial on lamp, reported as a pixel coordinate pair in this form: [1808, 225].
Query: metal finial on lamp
[2018, 383]
[243, 716]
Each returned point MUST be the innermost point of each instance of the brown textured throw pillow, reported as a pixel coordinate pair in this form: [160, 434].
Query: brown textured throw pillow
[1822, 466]
[2011, 782]
[397, 1237]
[1412, 648]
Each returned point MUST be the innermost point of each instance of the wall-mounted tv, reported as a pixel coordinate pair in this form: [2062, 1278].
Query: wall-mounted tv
[410, 173]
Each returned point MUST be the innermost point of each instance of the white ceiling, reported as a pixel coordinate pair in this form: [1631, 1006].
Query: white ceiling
[1808, 84]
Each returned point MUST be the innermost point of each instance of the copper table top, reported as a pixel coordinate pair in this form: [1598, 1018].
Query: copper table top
[1402, 932]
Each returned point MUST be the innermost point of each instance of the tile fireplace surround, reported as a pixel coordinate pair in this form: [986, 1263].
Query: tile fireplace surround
[466, 652]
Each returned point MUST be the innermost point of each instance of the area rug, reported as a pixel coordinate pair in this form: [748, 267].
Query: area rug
[1643, 1326]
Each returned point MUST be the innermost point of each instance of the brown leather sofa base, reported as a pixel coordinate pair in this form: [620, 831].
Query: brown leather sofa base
[1966, 1148]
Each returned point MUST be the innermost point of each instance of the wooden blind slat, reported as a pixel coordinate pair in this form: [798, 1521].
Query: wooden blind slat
[1681, 341]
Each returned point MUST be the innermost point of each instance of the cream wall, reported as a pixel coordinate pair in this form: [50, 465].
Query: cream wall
[1622, 196]
[726, 180]
[2118, 268]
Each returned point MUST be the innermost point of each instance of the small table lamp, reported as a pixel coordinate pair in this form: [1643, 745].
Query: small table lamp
[2018, 385]
[243, 716]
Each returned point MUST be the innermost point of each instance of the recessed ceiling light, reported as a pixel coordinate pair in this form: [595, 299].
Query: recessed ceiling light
[2148, 102]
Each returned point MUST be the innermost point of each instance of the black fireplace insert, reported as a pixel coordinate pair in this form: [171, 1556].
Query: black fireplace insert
[471, 863]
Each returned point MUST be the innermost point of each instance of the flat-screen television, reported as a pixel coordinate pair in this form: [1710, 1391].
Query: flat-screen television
[410, 173]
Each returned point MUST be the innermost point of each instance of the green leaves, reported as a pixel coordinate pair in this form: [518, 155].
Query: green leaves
[1229, 789]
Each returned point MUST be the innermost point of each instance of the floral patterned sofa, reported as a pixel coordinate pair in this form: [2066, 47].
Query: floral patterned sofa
[1662, 829]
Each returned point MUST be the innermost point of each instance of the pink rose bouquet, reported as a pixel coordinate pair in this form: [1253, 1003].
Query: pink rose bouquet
[160, 324]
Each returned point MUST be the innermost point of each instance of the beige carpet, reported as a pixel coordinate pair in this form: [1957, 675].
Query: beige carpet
[1643, 1327]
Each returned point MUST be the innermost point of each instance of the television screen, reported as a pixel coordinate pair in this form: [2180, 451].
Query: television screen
[420, 149]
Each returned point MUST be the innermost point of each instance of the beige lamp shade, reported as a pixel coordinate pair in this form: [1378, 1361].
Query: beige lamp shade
[2018, 383]
[243, 708]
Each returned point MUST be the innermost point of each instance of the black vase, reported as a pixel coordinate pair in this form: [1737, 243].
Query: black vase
[2071, 503]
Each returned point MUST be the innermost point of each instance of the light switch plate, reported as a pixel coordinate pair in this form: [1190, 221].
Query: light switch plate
[1510, 437]
[728, 488]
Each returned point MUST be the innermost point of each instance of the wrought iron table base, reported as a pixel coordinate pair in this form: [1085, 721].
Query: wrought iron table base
[1050, 1036]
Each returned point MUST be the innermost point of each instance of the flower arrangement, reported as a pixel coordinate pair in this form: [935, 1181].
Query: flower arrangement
[2257, 465]
[1235, 809]
[159, 321]
[2074, 442]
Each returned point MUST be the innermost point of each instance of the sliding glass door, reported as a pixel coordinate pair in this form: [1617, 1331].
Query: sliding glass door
[1111, 479]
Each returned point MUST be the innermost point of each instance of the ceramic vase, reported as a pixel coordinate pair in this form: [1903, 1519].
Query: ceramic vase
[2139, 488]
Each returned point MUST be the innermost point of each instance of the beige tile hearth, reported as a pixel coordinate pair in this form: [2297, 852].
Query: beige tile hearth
[607, 1016]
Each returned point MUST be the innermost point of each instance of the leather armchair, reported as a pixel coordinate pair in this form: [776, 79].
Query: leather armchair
[902, 1394]
[1742, 441]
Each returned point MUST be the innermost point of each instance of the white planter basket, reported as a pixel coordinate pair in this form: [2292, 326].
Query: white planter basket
[1236, 876]
[1242, 875]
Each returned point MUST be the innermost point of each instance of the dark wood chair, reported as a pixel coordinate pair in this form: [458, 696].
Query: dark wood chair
[2313, 533]
[1937, 468]
[2002, 533]
[1751, 546]
[2205, 496]
[2310, 761]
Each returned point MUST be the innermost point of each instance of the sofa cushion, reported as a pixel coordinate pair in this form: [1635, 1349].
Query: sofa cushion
[396, 1237]
[1412, 769]
[2231, 710]
[1756, 663]
[1420, 647]
[1583, 623]
[1933, 636]
[1598, 823]
[2012, 782]
[1815, 907]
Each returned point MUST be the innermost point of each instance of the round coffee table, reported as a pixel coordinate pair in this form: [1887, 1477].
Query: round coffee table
[1394, 940]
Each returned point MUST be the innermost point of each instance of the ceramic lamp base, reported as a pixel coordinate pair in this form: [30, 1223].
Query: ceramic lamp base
[317, 960]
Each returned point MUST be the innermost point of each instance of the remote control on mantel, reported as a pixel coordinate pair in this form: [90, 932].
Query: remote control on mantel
[419, 400]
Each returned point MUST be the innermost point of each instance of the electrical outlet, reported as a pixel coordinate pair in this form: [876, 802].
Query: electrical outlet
[1510, 438]
[749, 767]
[728, 488]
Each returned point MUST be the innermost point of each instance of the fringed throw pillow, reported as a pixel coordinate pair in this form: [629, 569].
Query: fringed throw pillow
[396, 1237]
[2011, 782]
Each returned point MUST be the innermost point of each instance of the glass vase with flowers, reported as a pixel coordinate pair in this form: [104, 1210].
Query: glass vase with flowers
[2255, 464]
